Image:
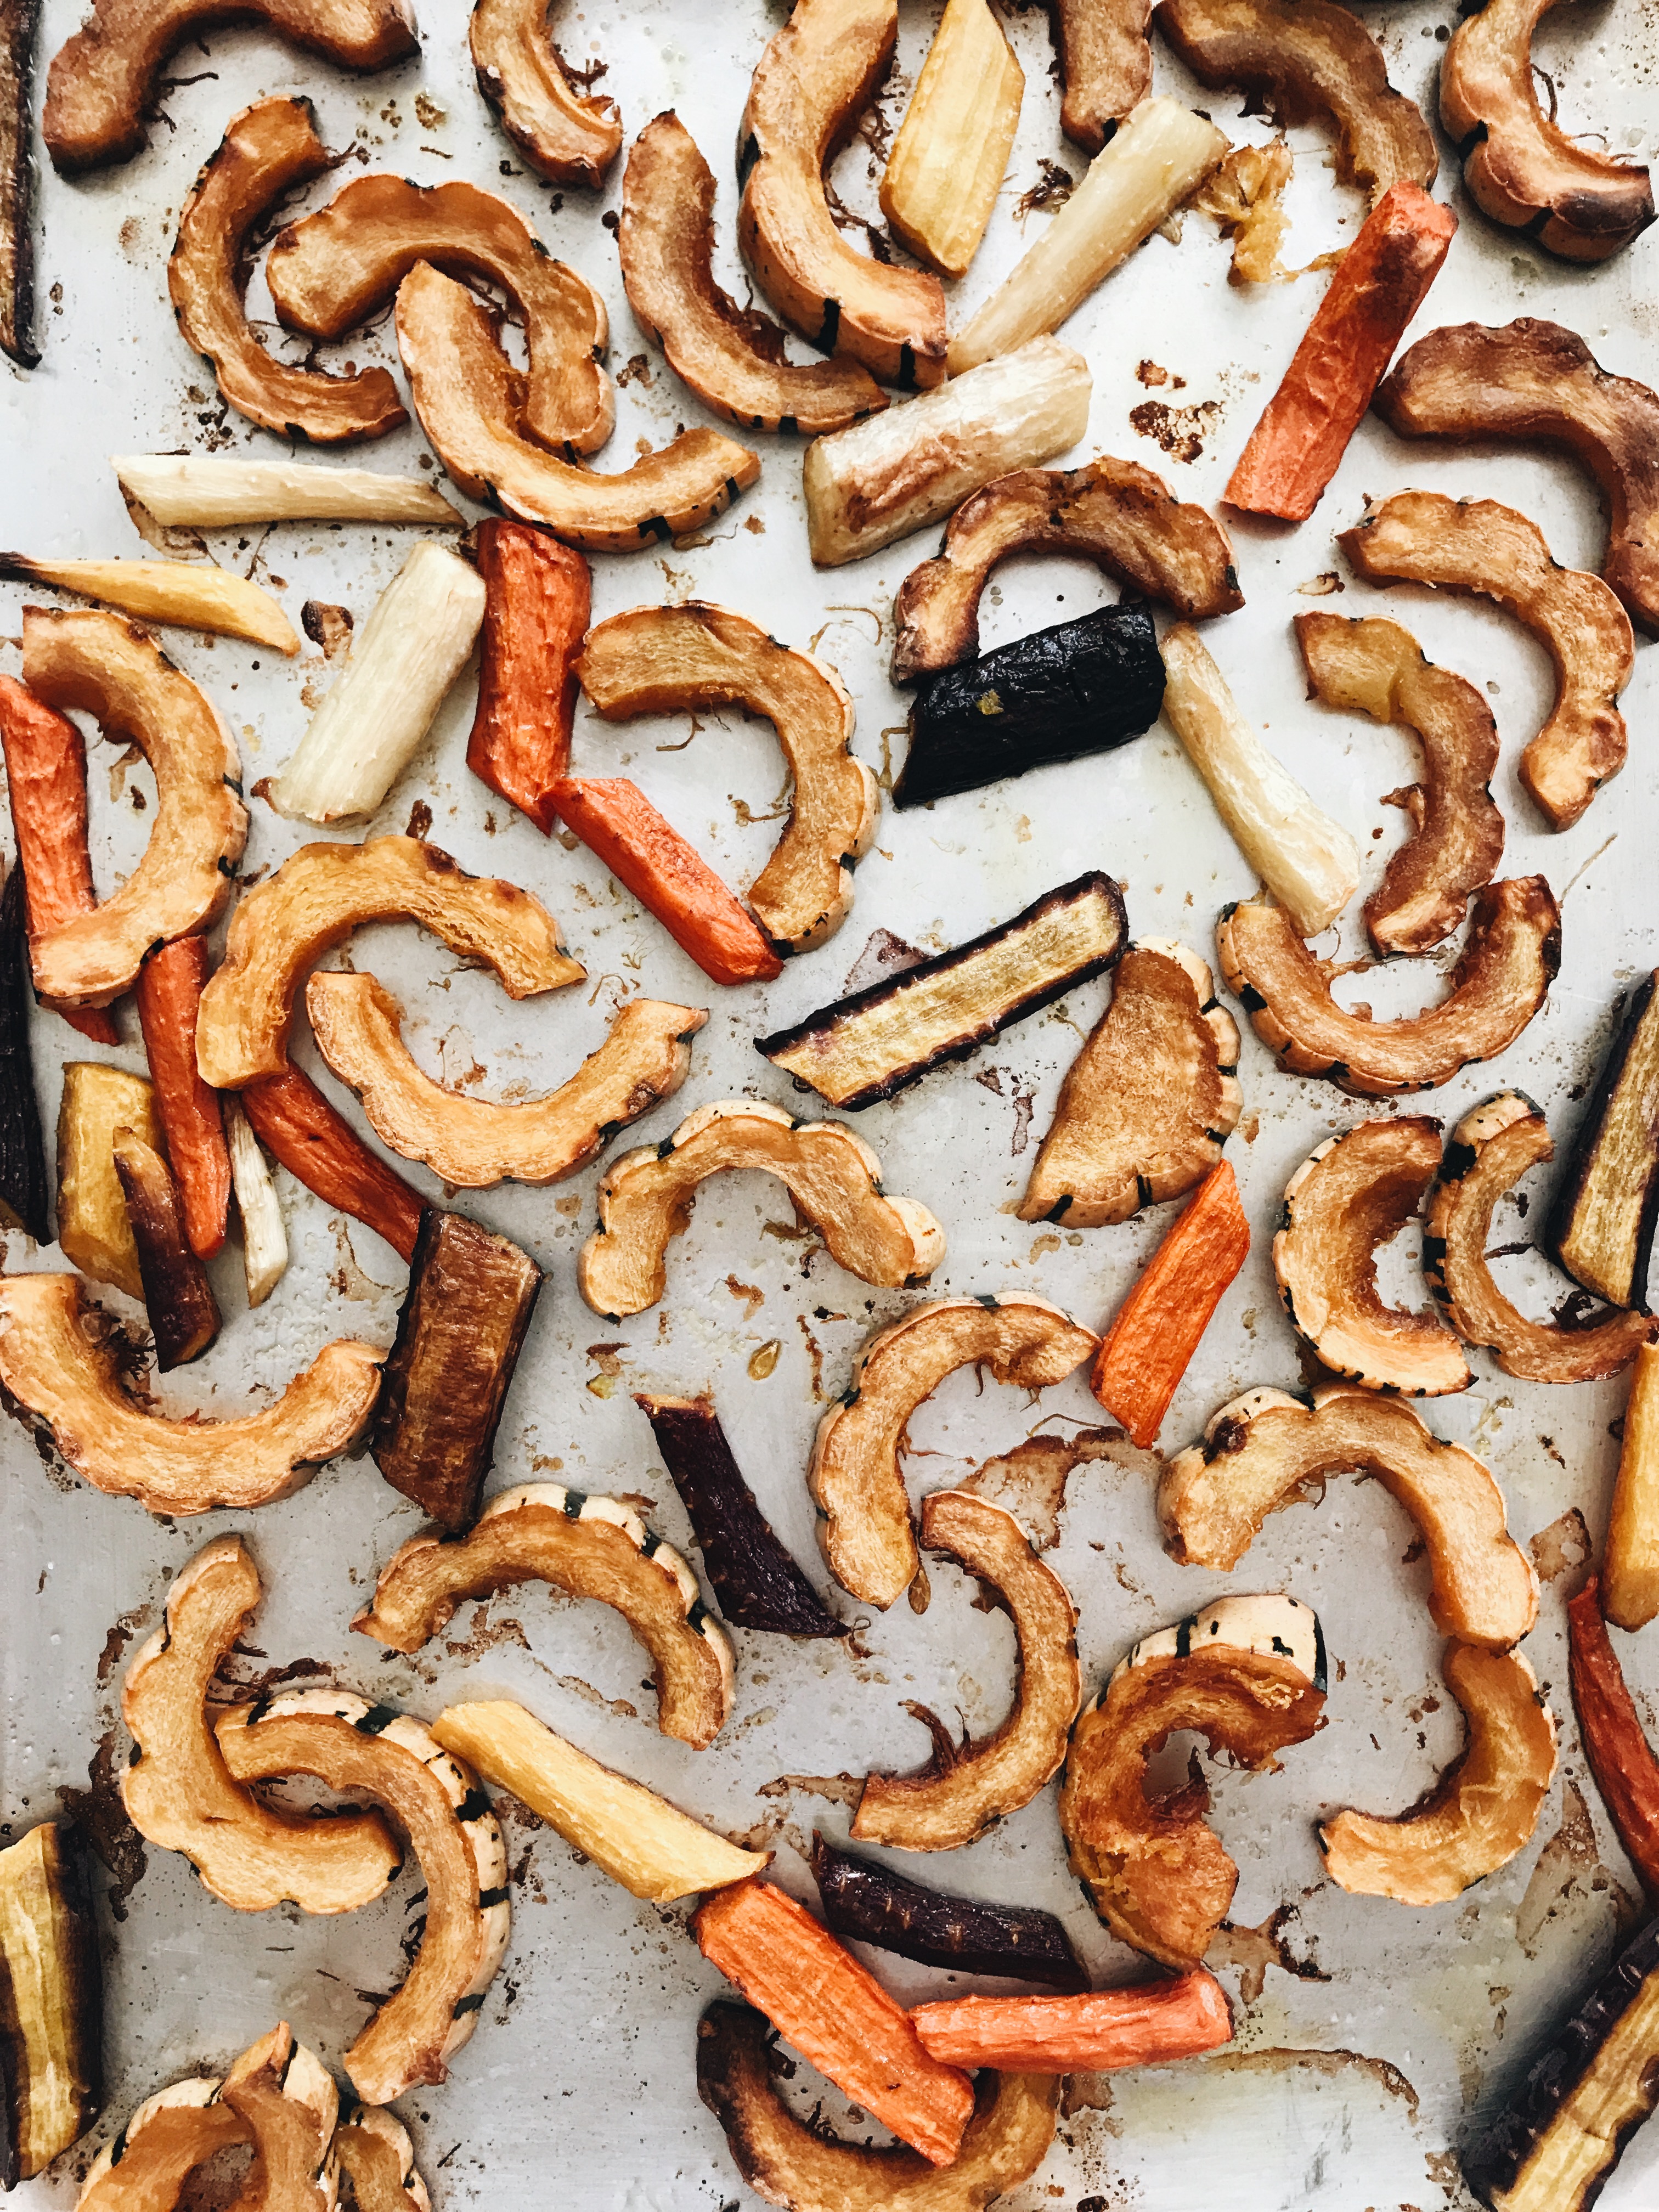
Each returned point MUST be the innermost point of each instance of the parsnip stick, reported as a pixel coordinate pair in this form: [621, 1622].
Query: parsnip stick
[203, 492]
[949, 159]
[167, 591]
[265, 1240]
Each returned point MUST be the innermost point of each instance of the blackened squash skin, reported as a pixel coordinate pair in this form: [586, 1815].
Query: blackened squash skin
[22, 1150]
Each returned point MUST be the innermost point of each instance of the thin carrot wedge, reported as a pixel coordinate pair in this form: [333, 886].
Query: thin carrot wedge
[1146, 1351]
[46, 778]
[536, 616]
[648, 857]
[1620, 1758]
[297, 1126]
[1378, 286]
[1143, 2027]
[836, 2013]
[169, 991]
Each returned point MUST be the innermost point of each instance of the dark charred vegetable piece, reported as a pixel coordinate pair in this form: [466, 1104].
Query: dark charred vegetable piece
[22, 1149]
[18, 22]
[1082, 687]
[51, 2070]
[536, 616]
[1620, 1758]
[184, 1316]
[757, 1582]
[1602, 1224]
[867, 1903]
[459, 1332]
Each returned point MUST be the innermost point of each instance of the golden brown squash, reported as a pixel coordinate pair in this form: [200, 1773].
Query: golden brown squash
[1481, 547]
[111, 668]
[1502, 978]
[285, 2097]
[966, 1789]
[1347, 1200]
[816, 78]
[567, 138]
[470, 398]
[591, 1547]
[269, 150]
[1491, 1149]
[1376, 668]
[171, 2134]
[313, 903]
[337, 268]
[1105, 65]
[93, 1227]
[1484, 1807]
[57, 1361]
[378, 2159]
[689, 658]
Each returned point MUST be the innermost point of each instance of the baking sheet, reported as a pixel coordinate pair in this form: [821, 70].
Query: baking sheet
[1370, 2034]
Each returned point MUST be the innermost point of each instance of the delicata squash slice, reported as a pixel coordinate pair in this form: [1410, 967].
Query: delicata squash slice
[834, 1177]
[434, 1800]
[162, 2143]
[855, 1476]
[178, 1791]
[378, 2159]
[1260, 1451]
[566, 136]
[591, 1547]
[111, 668]
[313, 903]
[59, 1365]
[285, 2097]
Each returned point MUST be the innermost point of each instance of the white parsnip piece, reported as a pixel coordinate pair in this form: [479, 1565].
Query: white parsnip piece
[1155, 162]
[952, 152]
[1309, 862]
[265, 1240]
[175, 592]
[201, 491]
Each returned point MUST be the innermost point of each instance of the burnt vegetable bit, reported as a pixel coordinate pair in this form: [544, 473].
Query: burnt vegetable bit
[18, 22]
[184, 1316]
[23, 1201]
[1602, 1224]
[871, 1904]
[51, 2071]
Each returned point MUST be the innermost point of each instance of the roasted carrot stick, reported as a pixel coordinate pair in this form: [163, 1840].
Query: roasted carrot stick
[1141, 2026]
[297, 1124]
[46, 778]
[1627, 1773]
[535, 618]
[1144, 1353]
[1378, 286]
[169, 991]
[836, 2013]
[648, 857]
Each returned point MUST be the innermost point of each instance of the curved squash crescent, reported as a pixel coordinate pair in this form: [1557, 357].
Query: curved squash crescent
[565, 137]
[164, 2141]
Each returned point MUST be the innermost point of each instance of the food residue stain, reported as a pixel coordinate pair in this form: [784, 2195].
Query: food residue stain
[1180, 430]
[763, 1359]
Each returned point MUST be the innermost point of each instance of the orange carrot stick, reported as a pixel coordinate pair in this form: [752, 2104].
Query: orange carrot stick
[1141, 2026]
[294, 1122]
[1627, 1773]
[536, 616]
[169, 992]
[1378, 286]
[1146, 1351]
[648, 857]
[46, 778]
[836, 2013]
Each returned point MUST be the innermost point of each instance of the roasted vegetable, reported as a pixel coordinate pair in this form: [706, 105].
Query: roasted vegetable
[1620, 1759]
[460, 1329]
[265, 1240]
[1147, 2025]
[179, 592]
[880, 1041]
[567, 136]
[757, 1583]
[18, 30]
[286, 2099]
[159, 2146]
[378, 2159]
[948, 161]
[1105, 65]
[1084, 686]
[869, 1903]
[591, 1547]
[1630, 1562]
[178, 1300]
[93, 1225]
[169, 994]
[46, 784]
[1601, 1225]
[51, 2066]
[320, 1149]
[205, 491]
[538, 603]
[23, 1201]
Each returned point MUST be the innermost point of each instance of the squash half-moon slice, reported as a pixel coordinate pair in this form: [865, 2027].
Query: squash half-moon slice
[162, 2143]
[565, 137]
[286, 2099]
[378, 2159]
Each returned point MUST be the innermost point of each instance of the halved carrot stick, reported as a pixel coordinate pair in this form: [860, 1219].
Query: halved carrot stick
[1378, 286]
[535, 618]
[1146, 1351]
[1615, 1744]
[1142, 2026]
[169, 991]
[46, 778]
[836, 2013]
[297, 1124]
[648, 856]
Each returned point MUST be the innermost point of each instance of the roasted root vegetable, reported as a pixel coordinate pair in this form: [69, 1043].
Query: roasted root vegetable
[1620, 1759]
[169, 994]
[178, 1300]
[879, 1040]
[1601, 1225]
[178, 592]
[836, 2014]
[948, 161]
[285, 2097]
[1084, 686]
[19, 28]
[205, 491]
[649, 1846]
[265, 1240]
[1382, 280]
[1309, 863]
[1158, 1328]
[93, 1224]
[160, 2145]
[538, 603]
[869, 1903]
[46, 785]
[591, 1547]
[567, 136]
[755, 1582]
[731, 357]
[1630, 1561]
[378, 2159]
[884, 478]
[1105, 65]
[52, 2020]
[23, 1201]
[320, 1148]
[1156, 160]
[1148, 2025]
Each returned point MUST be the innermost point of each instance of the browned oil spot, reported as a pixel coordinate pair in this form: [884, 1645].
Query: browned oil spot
[1564, 1545]
[1569, 1863]
[1332, 2064]
[485, 1635]
[590, 1696]
[884, 957]
[834, 1789]
[1253, 1950]
[326, 625]
[1180, 430]
[103, 1817]
[816, 1351]
[420, 820]
[1030, 1481]
[1052, 190]
[117, 1642]
[1149, 374]
[608, 1358]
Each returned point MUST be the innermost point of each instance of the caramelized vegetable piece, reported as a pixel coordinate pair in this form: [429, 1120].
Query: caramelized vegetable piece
[170, 2135]
[591, 1547]
[296, 1122]
[339, 268]
[836, 2013]
[870, 1904]
[178, 1301]
[731, 357]
[19, 28]
[52, 2019]
[215, 491]
[180, 592]
[23, 1203]
[1601, 1225]
[1502, 978]
[951, 153]
[566, 136]
[286, 2099]
[46, 785]
[1630, 1562]
[93, 1223]
[269, 150]
[460, 1329]
[1105, 65]
[169, 994]
[1115, 513]
[1147, 2025]
[265, 1240]
[757, 1583]
[377, 2159]
[470, 398]
[1627, 1773]
[537, 608]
